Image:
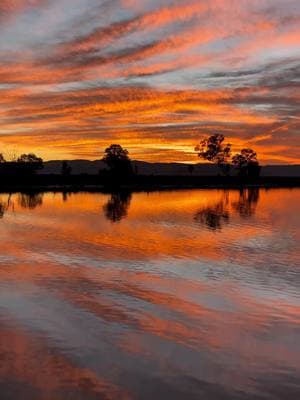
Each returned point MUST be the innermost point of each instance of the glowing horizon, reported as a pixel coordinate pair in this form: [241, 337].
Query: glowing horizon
[154, 76]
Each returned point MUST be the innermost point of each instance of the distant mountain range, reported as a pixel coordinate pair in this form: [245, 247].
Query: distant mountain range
[177, 169]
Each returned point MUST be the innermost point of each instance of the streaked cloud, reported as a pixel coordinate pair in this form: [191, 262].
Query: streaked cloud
[152, 75]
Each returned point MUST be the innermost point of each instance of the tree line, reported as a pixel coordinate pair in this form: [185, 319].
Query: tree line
[213, 149]
[24, 164]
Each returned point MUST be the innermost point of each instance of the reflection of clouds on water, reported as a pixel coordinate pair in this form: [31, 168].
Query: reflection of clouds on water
[272, 241]
[109, 308]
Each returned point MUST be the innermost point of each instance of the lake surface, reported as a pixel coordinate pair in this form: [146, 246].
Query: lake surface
[169, 295]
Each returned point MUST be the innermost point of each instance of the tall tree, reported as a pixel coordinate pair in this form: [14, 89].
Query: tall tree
[214, 150]
[246, 162]
[117, 159]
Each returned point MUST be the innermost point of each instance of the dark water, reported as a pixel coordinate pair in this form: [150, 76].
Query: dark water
[172, 295]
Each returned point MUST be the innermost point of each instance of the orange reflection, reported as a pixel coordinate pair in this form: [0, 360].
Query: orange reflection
[181, 271]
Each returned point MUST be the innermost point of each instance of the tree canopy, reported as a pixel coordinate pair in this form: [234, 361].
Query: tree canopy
[246, 162]
[117, 159]
[244, 158]
[30, 158]
[29, 163]
[214, 150]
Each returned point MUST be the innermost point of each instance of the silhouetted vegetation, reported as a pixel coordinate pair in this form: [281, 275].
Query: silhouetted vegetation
[214, 150]
[30, 159]
[29, 163]
[117, 206]
[26, 164]
[246, 163]
[117, 160]
[240, 169]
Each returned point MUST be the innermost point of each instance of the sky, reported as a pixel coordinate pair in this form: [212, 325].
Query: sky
[155, 76]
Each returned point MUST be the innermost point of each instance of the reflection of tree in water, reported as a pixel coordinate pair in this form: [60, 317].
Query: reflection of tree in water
[30, 200]
[247, 202]
[216, 215]
[5, 205]
[117, 206]
[3, 209]
[65, 196]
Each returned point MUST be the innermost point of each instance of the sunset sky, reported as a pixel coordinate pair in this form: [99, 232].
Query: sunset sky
[155, 76]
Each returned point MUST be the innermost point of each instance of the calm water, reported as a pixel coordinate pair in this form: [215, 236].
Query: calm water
[171, 295]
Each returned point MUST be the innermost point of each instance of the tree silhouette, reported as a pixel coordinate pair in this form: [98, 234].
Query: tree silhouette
[118, 161]
[29, 163]
[30, 158]
[214, 150]
[246, 162]
[2, 159]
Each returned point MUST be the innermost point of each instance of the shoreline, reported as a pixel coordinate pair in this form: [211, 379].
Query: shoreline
[142, 184]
